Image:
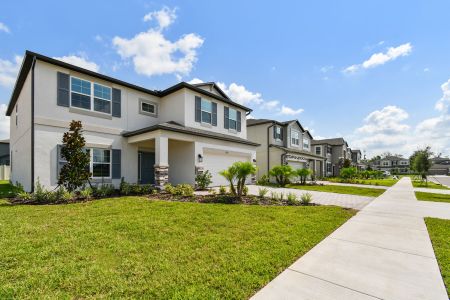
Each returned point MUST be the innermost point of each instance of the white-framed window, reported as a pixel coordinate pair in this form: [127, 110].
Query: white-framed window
[278, 133]
[404, 162]
[295, 138]
[148, 108]
[206, 111]
[232, 119]
[306, 144]
[328, 167]
[318, 150]
[100, 162]
[385, 163]
[90, 96]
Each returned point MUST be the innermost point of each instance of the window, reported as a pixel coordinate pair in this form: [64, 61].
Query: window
[206, 111]
[404, 162]
[306, 144]
[82, 96]
[318, 150]
[328, 167]
[100, 163]
[328, 150]
[148, 108]
[278, 133]
[385, 163]
[295, 140]
[232, 119]
[102, 98]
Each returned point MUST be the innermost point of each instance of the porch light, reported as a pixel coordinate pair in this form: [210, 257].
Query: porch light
[200, 158]
[254, 160]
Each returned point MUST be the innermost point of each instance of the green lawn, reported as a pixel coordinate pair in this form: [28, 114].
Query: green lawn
[382, 182]
[439, 231]
[6, 189]
[432, 197]
[340, 189]
[430, 185]
[132, 247]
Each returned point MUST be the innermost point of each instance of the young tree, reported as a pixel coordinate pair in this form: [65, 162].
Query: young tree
[236, 175]
[74, 174]
[303, 174]
[421, 162]
[282, 174]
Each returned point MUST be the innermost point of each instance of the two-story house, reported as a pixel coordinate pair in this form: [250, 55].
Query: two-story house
[335, 151]
[142, 135]
[440, 166]
[393, 164]
[283, 143]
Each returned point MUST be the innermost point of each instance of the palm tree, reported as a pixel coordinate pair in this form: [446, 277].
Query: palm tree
[237, 175]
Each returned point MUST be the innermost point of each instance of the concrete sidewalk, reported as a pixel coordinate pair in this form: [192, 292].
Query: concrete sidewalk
[384, 252]
[370, 186]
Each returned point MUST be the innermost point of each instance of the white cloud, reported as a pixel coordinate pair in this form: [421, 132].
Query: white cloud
[195, 81]
[4, 28]
[381, 58]
[385, 121]
[79, 61]
[9, 70]
[163, 17]
[285, 110]
[4, 123]
[153, 54]
[443, 104]
[426, 70]
[240, 94]
[326, 69]
[270, 105]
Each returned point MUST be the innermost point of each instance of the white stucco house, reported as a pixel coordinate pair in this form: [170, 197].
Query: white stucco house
[142, 135]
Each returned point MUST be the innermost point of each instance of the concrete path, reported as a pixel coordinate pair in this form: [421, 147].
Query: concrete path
[382, 187]
[323, 198]
[442, 179]
[384, 252]
[435, 191]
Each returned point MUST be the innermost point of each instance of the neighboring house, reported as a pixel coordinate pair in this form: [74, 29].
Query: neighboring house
[142, 135]
[356, 159]
[335, 151]
[393, 164]
[440, 166]
[283, 143]
[4, 152]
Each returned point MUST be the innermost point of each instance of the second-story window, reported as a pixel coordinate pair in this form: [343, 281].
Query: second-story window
[295, 138]
[278, 133]
[232, 119]
[306, 144]
[318, 150]
[206, 115]
[84, 93]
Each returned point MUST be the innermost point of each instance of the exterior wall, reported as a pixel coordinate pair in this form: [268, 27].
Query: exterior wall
[20, 138]
[189, 116]
[173, 107]
[294, 126]
[181, 162]
[258, 134]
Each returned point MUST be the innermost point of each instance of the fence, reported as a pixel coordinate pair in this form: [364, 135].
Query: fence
[4, 172]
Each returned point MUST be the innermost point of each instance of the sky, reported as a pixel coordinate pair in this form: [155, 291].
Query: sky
[375, 72]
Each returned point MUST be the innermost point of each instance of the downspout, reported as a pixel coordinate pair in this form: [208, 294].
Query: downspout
[32, 123]
[268, 147]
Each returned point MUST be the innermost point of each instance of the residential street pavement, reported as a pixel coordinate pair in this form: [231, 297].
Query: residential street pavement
[383, 252]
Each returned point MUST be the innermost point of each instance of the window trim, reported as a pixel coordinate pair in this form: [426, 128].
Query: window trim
[91, 162]
[231, 119]
[320, 150]
[92, 96]
[209, 112]
[143, 112]
[298, 138]
[309, 144]
[278, 135]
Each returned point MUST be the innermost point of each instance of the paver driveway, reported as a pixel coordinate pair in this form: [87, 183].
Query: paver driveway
[383, 252]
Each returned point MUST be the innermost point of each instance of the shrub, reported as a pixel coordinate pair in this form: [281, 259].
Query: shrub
[185, 190]
[147, 189]
[237, 174]
[245, 191]
[292, 199]
[136, 189]
[86, 193]
[222, 190]
[264, 180]
[125, 188]
[41, 195]
[169, 188]
[305, 198]
[282, 174]
[105, 190]
[348, 173]
[24, 196]
[303, 174]
[262, 192]
[203, 180]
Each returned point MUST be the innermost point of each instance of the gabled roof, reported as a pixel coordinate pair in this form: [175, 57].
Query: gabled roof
[332, 142]
[30, 56]
[212, 85]
[177, 127]
[255, 122]
[392, 157]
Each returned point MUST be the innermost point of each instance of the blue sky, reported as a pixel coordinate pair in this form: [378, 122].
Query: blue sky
[375, 72]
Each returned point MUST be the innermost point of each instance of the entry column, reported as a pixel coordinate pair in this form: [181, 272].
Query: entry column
[161, 161]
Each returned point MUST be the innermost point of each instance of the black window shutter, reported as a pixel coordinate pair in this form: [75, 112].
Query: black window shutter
[226, 116]
[198, 109]
[116, 102]
[214, 114]
[116, 163]
[238, 117]
[59, 160]
[63, 90]
[281, 133]
[275, 132]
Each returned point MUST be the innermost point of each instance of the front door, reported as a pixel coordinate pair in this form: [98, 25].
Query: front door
[146, 168]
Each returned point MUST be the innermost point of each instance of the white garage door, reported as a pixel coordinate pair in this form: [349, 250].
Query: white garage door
[296, 165]
[219, 161]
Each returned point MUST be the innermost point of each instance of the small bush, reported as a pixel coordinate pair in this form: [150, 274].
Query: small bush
[245, 190]
[306, 198]
[125, 188]
[147, 189]
[24, 196]
[262, 192]
[86, 194]
[222, 190]
[169, 188]
[105, 190]
[264, 180]
[203, 180]
[136, 189]
[292, 199]
[185, 190]
[41, 195]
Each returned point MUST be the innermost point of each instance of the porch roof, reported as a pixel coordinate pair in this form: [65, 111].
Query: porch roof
[298, 151]
[176, 127]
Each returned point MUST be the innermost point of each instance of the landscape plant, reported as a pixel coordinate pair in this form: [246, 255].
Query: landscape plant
[283, 174]
[74, 173]
[306, 198]
[203, 180]
[262, 192]
[222, 190]
[236, 175]
[420, 161]
[303, 174]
